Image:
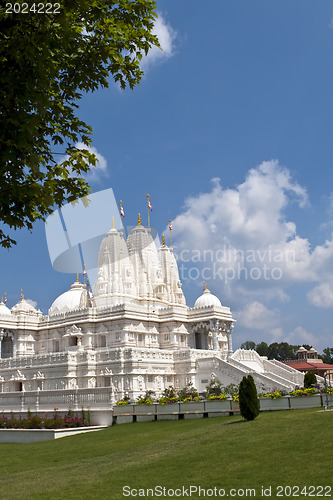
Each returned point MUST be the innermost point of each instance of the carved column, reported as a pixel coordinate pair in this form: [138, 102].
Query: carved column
[230, 351]
[214, 328]
[1, 337]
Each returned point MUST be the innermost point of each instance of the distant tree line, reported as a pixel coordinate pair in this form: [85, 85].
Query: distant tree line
[283, 351]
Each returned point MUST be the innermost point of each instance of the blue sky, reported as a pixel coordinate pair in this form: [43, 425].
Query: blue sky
[230, 132]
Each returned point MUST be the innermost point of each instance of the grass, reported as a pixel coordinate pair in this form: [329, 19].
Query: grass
[278, 448]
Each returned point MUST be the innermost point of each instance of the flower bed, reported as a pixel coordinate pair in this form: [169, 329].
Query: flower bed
[188, 401]
[46, 422]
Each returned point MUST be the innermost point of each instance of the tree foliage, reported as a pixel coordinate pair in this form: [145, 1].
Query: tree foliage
[249, 344]
[327, 357]
[248, 398]
[262, 349]
[281, 351]
[47, 62]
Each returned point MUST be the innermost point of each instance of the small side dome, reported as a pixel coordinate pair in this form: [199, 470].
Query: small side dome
[23, 307]
[69, 300]
[207, 299]
[4, 310]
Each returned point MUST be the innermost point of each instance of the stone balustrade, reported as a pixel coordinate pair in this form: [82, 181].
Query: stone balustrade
[64, 399]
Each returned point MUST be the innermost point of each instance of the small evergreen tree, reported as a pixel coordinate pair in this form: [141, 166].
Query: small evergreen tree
[310, 379]
[248, 398]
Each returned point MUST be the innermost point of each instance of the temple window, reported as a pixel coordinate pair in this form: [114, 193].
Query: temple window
[73, 341]
[7, 347]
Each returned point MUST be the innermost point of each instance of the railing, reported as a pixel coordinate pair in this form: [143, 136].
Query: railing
[64, 399]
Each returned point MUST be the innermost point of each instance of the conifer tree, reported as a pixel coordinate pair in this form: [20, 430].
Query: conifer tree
[248, 398]
[310, 379]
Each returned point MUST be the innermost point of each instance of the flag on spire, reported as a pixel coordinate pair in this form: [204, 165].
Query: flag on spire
[84, 270]
[122, 213]
[149, 208]
[5, 298]
[21, 294]
[170, 229]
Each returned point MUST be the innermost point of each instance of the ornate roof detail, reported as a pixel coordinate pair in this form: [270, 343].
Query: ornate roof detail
[71, 300]
[207, 299]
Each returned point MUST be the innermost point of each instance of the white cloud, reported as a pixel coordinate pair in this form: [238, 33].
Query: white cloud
[33, 303]
[257, 316]
[166, 36]
[242, 237]
[301, 336]
[321, 296]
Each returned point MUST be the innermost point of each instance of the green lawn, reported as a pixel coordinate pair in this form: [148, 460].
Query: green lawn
[278, 448]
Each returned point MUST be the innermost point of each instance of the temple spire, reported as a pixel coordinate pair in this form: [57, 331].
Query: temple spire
[163, 240]
[139, 220]
[170, 229]
[122, 213]
[84, 274]
[149, 207]
[113, 226]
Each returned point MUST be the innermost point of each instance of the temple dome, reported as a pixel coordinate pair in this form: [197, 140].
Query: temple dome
[4, 310]
[23, 307]
[70, 300]
[207, 299]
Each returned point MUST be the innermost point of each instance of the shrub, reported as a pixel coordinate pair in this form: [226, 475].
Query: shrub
[54, 423]
[169, 392]
[220, 397]
[248, 398]
[214, 388]
[35, 422]
[144, 401]
[272, 395]
[310, 379]
[164, 400]
[189, 391]
[303, 392]
[124, 401]
[231, 389]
